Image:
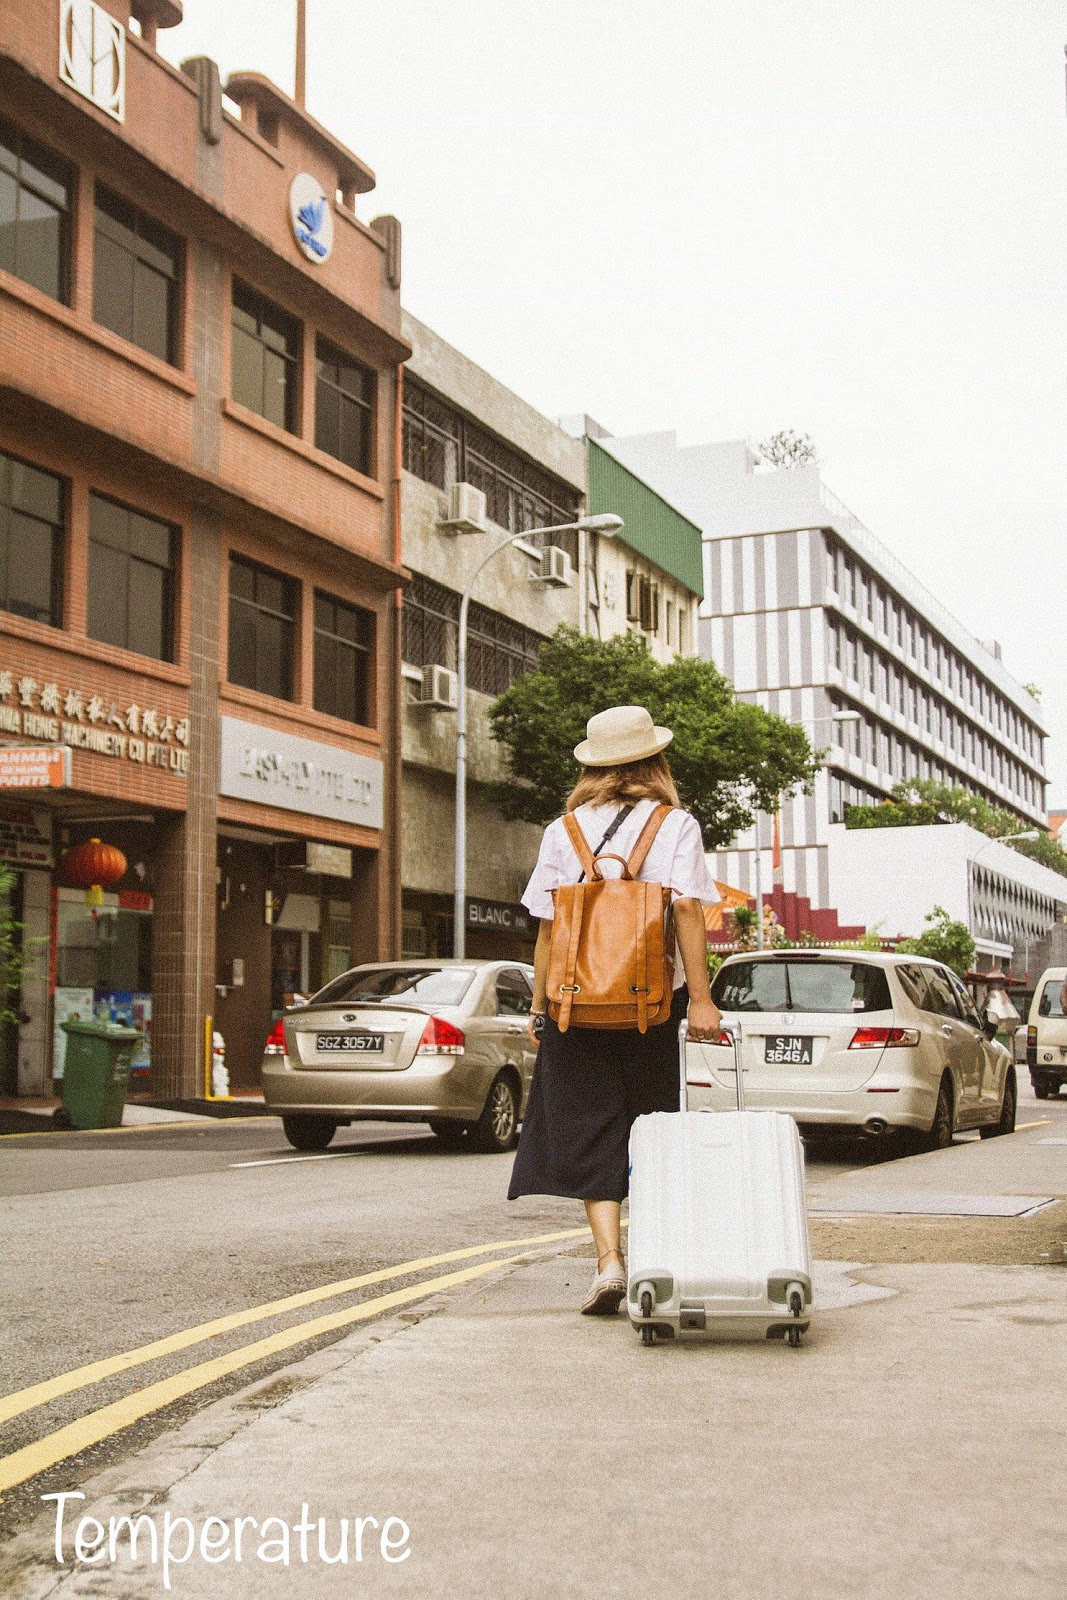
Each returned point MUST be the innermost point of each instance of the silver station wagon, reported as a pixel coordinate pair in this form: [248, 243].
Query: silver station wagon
[857, 1042]
[442, 1042]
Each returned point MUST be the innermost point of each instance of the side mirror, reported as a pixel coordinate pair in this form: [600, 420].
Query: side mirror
[989, 1027]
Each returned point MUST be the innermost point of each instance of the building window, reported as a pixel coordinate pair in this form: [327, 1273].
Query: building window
[443, 447]
[344, 408]
[642, 602]
[344, 641]
[31, 542]
[499, 650]
[266, 346]
[131, 579]
[262, 646]
[135, 276]
[34, 214]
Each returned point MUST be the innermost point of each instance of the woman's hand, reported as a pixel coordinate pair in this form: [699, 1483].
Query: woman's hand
[705, 1020]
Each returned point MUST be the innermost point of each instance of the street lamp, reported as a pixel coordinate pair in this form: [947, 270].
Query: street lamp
[832, 716]
[604, 523]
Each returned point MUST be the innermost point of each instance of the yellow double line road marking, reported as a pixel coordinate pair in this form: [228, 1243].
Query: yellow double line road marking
[101, 1424]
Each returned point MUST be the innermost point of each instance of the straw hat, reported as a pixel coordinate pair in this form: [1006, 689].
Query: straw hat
[625, 733]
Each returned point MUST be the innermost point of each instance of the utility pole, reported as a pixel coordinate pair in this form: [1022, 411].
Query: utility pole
[301, 50]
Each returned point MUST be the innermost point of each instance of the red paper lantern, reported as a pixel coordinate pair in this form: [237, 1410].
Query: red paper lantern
[93, 867]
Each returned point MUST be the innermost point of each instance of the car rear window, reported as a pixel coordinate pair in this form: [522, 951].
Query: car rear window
[847, 986]
[1051, 1002]
[431, 986]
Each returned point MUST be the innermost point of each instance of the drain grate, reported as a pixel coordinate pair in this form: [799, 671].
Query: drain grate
[933, 1205]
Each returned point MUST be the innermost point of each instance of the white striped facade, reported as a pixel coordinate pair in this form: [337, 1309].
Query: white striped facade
[808, 614]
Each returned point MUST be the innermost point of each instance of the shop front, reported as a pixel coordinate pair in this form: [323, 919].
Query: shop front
[298, 893]
[93, 782]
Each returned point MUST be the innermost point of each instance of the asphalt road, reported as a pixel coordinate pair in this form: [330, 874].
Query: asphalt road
[112, 1240]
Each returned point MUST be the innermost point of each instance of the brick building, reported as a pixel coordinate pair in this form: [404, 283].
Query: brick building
[200, 570]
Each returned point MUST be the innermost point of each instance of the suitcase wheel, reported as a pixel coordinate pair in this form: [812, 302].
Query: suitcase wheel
[796, 1306]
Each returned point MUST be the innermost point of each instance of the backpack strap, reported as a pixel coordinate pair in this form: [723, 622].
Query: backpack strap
[578, 840]
[568, 988]
[644, 842]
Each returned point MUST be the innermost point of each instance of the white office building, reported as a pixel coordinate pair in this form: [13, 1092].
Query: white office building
[810, 616]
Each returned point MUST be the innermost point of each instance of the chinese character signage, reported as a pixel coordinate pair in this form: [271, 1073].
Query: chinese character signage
[74, 716]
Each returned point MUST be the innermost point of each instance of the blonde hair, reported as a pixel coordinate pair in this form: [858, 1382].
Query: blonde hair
[649, 779]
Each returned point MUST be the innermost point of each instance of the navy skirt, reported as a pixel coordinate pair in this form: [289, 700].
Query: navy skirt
[589, 1085]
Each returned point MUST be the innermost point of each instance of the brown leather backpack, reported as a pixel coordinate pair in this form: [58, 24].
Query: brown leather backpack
[611, 959]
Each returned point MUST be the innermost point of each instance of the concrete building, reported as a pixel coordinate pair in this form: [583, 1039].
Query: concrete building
[199, 622]
[463, 432]
[810, 616]
[650, 579]
[893, 876]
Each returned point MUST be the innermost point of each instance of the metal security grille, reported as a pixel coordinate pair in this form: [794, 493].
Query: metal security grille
[499, 650]
[443, 447]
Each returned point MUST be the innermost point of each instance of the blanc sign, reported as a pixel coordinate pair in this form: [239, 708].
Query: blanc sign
[277, 769]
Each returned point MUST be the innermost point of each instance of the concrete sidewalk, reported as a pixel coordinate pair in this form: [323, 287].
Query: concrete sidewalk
[913, 1447]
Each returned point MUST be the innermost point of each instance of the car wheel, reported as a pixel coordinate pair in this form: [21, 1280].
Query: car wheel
[61, 1118]
[308, 1133]
[940, 1134]
[1006, 1123]
[453, 1135]
[1042, 1088]
[497, 1129]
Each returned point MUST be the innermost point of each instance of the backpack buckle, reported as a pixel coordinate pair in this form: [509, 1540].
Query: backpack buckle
[635, 990]
[570, 988]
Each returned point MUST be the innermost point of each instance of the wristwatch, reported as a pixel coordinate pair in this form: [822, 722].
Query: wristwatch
[537, 1022]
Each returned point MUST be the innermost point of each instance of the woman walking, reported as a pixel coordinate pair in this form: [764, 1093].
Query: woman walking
[590, 1084]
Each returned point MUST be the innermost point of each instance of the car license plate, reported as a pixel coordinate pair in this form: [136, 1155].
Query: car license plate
[788, 1049]
[356, 1044]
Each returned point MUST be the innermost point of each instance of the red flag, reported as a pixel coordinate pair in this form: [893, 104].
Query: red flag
[776, 854]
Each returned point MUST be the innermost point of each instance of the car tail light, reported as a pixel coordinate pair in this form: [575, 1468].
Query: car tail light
[275, 1045]
[441, 1038]
[884, 1038]
[1031, 1034]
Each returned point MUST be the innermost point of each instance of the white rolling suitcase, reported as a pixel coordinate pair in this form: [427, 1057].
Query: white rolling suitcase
[718, 1241]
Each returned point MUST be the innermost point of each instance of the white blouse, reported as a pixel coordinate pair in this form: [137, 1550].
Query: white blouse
[676, 857]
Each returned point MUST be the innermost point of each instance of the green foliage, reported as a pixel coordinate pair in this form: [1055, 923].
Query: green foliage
[1033, 691]
[944, 940]
[787, 449]
[921, 801]
[727, 756]
[12, 963]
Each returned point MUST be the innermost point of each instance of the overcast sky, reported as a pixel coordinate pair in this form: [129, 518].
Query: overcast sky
[841, 216]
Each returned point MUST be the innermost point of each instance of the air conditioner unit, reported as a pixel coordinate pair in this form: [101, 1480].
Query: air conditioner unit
[555, 567]
[466, 509]
[440, 689]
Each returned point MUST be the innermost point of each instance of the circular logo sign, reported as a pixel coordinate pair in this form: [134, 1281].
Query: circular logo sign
[311, 215]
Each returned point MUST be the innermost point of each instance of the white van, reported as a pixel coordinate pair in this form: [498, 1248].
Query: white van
[1046, 1033]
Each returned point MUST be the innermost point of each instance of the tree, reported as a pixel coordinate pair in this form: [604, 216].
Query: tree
[727, 756]
[944, 940]
[787, 449]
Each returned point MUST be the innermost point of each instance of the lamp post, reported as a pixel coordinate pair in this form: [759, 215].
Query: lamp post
[833, 716]
[606, 524]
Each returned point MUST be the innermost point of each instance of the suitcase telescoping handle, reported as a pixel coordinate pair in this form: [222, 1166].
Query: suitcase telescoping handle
[732, 1030]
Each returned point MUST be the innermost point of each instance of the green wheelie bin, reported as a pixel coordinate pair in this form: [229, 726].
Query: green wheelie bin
[95, 1074]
